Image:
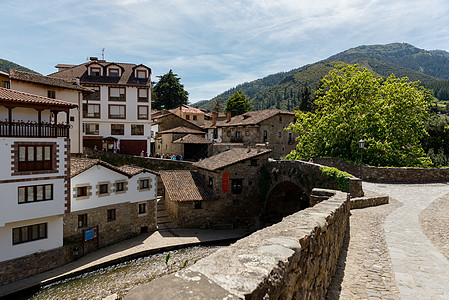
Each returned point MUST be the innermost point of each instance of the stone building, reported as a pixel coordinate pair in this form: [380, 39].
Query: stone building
[117, 115]
[254, 127]
[109, 204]
[184, 141]
[233, 176]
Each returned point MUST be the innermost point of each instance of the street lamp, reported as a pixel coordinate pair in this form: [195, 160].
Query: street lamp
[361, 146]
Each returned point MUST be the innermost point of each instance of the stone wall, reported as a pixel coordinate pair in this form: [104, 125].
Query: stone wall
[293, 259]
[33, 264]
[383, 174]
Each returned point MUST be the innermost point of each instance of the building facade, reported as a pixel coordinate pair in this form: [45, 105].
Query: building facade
[116, 116]
[34, 175]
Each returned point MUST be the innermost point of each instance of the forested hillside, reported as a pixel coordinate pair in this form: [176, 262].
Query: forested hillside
[283, 90]
[6, 65]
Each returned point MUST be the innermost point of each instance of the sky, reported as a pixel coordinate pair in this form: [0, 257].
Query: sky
[212, 45]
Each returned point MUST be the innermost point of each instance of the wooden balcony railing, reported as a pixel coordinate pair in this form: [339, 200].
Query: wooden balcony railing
[23, 129]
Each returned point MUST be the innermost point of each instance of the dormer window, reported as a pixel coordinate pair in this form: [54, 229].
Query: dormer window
[141, 74]
[95, 71]
[114, 72]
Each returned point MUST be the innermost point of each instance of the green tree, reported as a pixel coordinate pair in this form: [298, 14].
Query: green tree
[353, 104]
[306, 98]
[169, 92]
[238, 104]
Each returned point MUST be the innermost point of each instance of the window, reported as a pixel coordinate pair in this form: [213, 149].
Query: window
[211, 181]
[95, 95]
[81, 191]
[228, 133]
[142, 112]
[236, 186]
[247, 133]
[33, 158]
[290, 137]
[95, 71]
[116, 94]
[113, 72]
[29, 233]
[35, 193]
[120, 186]
[51, 94]
[141, 74]
[82, 220]
[142, 208]
[137, 129]
[237, 134]
[91, 128]
[279, 134]
[117, 129]
[187, 117]
[194, 118]
[103, 189]
[197, 204]
[144, 184]
[142, 95]
[265, 135]
[111, 215]
[91, 110]
[253, 162]
[280, 119]
[117, 112]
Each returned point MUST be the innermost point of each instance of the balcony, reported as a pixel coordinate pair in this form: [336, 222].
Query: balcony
[30, 129]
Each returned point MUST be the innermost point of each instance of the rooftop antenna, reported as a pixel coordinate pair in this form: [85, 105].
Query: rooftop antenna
[102, 54]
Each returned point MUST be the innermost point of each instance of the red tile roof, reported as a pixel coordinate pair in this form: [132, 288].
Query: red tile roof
[183, 185]
[192, 139]
[229, 157]
[188, 109]
[80, 164]
[253, 117]
[8, 96]
[182, 129]
[46, 80]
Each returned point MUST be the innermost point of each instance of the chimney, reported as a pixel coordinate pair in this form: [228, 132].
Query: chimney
[78, 81]
[228, 116]
[214, 118]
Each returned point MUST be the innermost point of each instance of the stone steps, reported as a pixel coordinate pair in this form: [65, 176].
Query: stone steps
[163, 219]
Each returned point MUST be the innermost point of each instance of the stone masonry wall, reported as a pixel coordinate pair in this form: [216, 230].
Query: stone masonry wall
[293, 259]
[33, 264]
[383, 174]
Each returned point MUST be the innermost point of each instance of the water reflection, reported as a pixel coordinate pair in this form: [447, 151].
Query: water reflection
[119, 279]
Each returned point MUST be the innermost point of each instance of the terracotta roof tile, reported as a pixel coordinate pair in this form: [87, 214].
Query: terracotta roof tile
[192, 139]
[46, 80]
[80, 164]
[229, 157]
[183, 185]
[188, 109]
[182, 129]
[12, 96]
[253, 117]
[133, 170]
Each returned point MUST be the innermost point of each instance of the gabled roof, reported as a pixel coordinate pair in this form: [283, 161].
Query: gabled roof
[79, 165]
[253, 117]
[156, 118]
[182, 129]
[192, 139]
[183, 185]
[81, 71]
[13, 97]
[229, 157]
[188, 109]
[46, 80]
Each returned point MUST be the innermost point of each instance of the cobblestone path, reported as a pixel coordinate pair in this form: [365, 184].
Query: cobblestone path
[420, 269]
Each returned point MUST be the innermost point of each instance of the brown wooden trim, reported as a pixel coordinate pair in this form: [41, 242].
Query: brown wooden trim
[109, 111]
[138, 107]
[117, 87]
[32, 179]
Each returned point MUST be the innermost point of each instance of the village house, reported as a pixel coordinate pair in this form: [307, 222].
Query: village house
[4, 80]
[255, 127]
[190, 113]
[116, 116]
[183, 141]
[34, 180]
[108, 204]
[55, 88]
[222, 193]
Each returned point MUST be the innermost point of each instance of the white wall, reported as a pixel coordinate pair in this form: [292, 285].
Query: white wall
[53, 240]
[137, 195]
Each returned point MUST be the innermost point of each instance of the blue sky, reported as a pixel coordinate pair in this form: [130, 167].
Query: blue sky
[212, 45]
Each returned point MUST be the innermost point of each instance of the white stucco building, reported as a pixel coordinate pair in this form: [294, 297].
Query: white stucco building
[34, 154]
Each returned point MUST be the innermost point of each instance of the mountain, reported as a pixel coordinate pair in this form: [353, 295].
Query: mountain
[400, 59]
[6, 65]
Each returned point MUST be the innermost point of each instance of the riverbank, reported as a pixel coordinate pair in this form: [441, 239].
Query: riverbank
[142, 245]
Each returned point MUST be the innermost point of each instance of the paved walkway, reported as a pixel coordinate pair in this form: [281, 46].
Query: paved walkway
[126, 249]
[421, 271]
